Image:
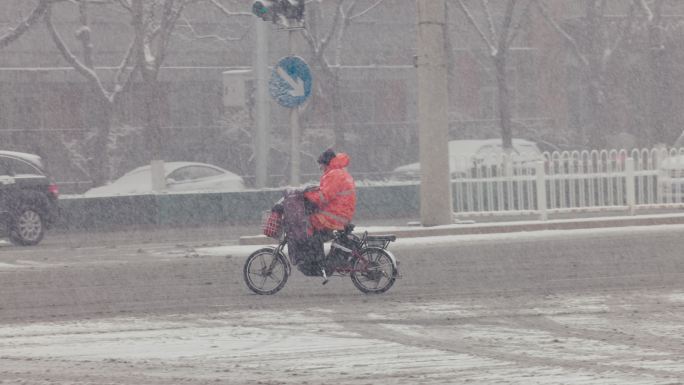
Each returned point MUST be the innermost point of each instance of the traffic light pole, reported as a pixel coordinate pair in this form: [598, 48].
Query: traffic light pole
[436, 205]
[263, 107]
[294, 129]
[280, 12]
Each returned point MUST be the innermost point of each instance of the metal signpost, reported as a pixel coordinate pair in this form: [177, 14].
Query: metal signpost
[290, 82]
[290, 86]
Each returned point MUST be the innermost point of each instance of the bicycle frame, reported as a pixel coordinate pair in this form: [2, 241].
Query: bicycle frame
[381, 242]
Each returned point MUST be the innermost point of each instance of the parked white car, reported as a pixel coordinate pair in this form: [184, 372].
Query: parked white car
[671, 173]
[180, 177]
[468, 155]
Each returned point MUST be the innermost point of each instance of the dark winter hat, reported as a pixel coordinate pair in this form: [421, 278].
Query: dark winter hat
[326, 157]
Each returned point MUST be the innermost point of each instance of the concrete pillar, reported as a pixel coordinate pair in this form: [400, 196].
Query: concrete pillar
[436, 206]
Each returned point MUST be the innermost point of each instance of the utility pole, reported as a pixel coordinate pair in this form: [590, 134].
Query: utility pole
[436, 206]
[263, 105]
[294, 128]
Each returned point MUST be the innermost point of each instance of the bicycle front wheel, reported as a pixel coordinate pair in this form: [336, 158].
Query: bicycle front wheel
[266, 271]
[376, 275]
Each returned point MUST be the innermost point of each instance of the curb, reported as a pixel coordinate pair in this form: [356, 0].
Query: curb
[504, 227]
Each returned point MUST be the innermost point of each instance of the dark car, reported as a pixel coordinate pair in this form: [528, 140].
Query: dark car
[28, 198]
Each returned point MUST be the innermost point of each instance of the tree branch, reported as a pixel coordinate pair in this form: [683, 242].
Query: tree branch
[35, 15]
[621, 37]
[227, 12]
[506, 26]
[126, 4]
[83, 33]
[168, 23]
[370, 8]
[197, 36]
[471, 20]
[121, 86]
[489, 19]
[569, 39]
[318, 47]
[516, 29]
[88, 73]
[647, 10]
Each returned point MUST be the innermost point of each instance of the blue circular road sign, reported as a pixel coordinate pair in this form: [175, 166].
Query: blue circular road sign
[290, 83]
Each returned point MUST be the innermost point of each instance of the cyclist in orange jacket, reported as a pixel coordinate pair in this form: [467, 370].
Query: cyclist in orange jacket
[335, 196]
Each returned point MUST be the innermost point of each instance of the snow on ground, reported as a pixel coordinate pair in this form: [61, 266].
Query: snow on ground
[245, 250]
[561, 345]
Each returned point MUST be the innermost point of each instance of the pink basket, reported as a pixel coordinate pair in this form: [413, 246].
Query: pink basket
[272, 224]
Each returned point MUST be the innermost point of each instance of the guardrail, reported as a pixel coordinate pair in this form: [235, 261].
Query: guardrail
[559, 182]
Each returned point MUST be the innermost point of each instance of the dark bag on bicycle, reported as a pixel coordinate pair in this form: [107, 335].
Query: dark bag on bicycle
[295, 221]
[306, 254]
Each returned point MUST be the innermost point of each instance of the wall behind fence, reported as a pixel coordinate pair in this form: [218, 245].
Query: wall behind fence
[230, 208]
[556, 183]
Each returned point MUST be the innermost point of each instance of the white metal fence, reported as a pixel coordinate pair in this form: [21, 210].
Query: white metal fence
[575, 181]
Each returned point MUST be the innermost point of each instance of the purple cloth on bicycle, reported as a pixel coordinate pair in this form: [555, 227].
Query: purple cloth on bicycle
[300, 246]
[295, 221]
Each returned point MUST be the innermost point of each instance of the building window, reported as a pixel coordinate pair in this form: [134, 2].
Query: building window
[487, 102]
[3, 118]
[357, 107]
[27, 113]
[576, 104]
[525, 85]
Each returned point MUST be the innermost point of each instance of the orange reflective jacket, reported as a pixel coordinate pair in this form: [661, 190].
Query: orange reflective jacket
[335, 196]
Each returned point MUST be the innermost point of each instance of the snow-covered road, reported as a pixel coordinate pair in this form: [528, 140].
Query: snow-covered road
[630, 338]
[554, 307]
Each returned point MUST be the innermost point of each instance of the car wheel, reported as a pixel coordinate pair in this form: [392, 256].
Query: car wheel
[27, 228]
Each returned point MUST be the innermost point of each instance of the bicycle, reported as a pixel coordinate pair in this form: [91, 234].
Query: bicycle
[372, 268]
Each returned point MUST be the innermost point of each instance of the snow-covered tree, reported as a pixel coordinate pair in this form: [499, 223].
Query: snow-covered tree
[152, 26]
[95, 148]
[498, 31]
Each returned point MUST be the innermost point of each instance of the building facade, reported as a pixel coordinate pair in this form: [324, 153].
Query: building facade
[365, 90]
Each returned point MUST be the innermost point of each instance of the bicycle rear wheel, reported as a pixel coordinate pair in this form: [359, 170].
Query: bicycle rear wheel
[265, 271]
[378, 276]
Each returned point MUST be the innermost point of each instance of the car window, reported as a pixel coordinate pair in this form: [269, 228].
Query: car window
[193, 172]
[489, 149]
[679, 143]
[527, 148]
[133, 179]
[20, 167]
[4, 167]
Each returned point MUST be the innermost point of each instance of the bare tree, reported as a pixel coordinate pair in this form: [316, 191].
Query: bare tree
[108, 95]
[660, 96]
[320, 38]
[154, 22]
[595, 44]
[498, 36]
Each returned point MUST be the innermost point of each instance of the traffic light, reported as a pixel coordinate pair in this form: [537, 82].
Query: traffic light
[288, 13]
[293, 9]
[266, 9]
